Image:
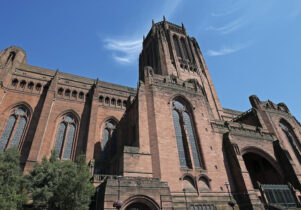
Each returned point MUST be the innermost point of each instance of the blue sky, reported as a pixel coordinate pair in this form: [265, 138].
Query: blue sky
[250, 46]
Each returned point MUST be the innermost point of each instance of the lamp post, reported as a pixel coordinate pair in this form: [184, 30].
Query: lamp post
[118, 203]
[231, 203]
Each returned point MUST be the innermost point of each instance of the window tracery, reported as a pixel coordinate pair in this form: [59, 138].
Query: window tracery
[13, 132]
[65, 137]
[185, 136]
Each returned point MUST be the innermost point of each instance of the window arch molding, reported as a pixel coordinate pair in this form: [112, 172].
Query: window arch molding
[291, 137]
[14, 125]
[66, 134]
[187, 138]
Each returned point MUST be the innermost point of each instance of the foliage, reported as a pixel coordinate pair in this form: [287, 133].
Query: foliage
[12, 186]
[56, 184]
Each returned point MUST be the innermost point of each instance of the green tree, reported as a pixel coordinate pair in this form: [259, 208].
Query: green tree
[56, 184]
[12, 186]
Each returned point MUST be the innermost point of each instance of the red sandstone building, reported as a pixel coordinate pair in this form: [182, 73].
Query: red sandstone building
[168, 144]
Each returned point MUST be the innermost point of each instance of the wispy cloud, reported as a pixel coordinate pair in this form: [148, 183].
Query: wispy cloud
[225, 13]
[124, 51]
[229, 27]
[228, 50]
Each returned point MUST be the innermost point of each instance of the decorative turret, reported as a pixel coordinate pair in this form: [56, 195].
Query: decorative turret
[12, 54]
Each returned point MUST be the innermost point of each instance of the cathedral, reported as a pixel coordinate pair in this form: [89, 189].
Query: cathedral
[167, 144]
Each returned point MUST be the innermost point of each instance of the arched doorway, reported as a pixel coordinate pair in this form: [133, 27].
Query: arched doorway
[140, 202]
[138, 206]
[261, 170]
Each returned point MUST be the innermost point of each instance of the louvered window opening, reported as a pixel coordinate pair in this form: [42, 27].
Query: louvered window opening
[65, 138]
[279, 195]
[177, 46]
[185, 51]
[185, 134]
[14, 130]
[203, 207]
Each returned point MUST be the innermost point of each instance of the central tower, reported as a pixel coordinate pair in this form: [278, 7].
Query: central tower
[171, 52]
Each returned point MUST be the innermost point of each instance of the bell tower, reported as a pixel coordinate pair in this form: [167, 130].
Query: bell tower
[170, 51]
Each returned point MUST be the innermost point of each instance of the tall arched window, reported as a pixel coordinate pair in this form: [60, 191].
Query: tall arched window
[108, 139]
[292, 138]
[185, 135]
[177, 46]
[65, 136]
[184, 47]
[13, 132]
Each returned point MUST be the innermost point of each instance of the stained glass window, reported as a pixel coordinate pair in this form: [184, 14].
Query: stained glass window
[18, 133]
[7, 132]
[59, 139]
[179, 138]
[192, 139]
[185, 135]
[69, 143]
[14, 129]
[65, 137]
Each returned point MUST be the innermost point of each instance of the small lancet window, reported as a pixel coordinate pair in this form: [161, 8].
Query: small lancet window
[22, 83]
[11, 57]
[81, 95]
[185, 136]
[13, 132]
[38, 87]
[65, 136]
[74, 93]
[118, 102]
[100, 99]
[60, 91]
[15, 82]
[113, 101]
[67, 93]
[30, 85]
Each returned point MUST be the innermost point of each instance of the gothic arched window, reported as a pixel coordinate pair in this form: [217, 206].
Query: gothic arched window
[13, 132]
[292, 138]
[177, 46]
[185, 136]
[64, 142]
[184, 47]
[108, 139]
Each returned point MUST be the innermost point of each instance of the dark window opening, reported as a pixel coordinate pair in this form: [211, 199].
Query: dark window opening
[38, 87]
[81, 95]
[100, 99]
[23, 83]
[67, 92]
[15, 82]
